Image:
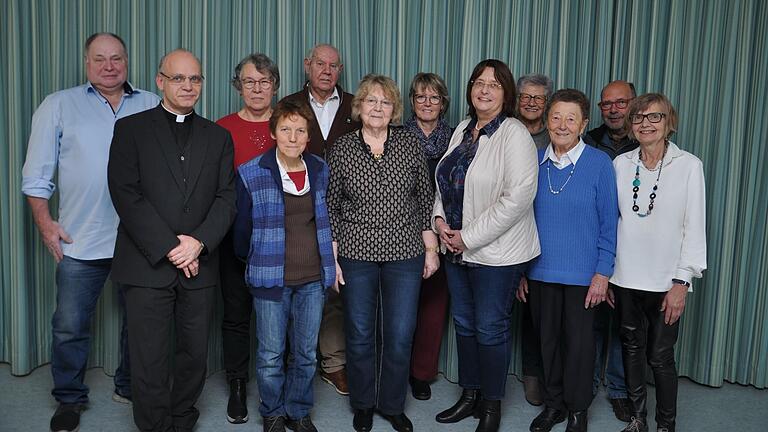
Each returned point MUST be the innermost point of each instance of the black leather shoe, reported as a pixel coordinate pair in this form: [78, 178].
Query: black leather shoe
[66, 418]
[400, 422]
[237, 409]
[636, 424]
[490, 416]
[577, 421]
[363, 420]
[303, 424]
[274, 424]
[420, 389]
[547, 419]
[465, 407]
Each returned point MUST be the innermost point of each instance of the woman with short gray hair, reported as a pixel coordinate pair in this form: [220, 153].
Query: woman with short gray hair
[257, 79]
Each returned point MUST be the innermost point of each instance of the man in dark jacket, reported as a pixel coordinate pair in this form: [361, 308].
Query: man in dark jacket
[172, 183]
[332, 109]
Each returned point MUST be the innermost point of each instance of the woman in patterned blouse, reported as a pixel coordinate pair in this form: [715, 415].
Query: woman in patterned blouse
[484, 216]
[379, 202]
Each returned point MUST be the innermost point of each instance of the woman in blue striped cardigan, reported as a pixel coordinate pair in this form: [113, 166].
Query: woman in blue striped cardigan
[283, 233]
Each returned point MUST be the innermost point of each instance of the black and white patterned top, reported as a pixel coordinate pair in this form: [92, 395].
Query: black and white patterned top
[379, 207]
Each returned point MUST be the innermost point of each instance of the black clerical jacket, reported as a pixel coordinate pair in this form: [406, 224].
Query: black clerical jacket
[156, 202]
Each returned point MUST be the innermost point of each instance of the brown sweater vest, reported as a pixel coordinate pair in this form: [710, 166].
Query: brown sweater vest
[302, 254]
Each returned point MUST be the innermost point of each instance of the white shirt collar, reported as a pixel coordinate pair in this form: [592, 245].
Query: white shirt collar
[333, 96]
[673, 151]
[571, 157]
[289, 186]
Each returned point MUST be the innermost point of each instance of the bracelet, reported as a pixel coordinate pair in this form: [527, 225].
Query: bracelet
[681, 282]
[434, 249]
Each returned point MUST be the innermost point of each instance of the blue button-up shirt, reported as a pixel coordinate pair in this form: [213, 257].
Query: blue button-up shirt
[72, 132]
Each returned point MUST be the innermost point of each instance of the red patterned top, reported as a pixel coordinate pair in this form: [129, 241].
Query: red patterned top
[251, 138]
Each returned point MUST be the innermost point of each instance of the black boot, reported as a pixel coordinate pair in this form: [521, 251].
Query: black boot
[490, 416]
[465, 407]
[237, 410]
[547, 419]
[577, 421]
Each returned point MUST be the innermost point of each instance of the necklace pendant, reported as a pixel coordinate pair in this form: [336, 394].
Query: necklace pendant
[636, 183]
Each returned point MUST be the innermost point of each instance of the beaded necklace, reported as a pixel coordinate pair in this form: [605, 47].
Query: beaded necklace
[556, 192]
[636, 185]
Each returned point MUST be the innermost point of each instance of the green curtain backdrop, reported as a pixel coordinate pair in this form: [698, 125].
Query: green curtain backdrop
[709, 56]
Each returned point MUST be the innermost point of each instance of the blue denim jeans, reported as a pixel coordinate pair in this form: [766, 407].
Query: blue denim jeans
[295, 318]
[608, 358]
[481, 304]
[383, 298]
[78, 286]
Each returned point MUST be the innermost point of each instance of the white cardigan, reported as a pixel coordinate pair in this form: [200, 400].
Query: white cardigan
[498, 226]
[671, 241]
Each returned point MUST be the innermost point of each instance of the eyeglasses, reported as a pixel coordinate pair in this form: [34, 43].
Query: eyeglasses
[620, 104]
[493, 86]
[434, 100]
[372, 102]
[180, 79]
[654, 117]
[264, 84]
[525, 98]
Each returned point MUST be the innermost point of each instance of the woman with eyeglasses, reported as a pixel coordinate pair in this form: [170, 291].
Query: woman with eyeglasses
[533, 92]
[257, 79]
[661, 247]
[576, 215]
[483, 214]
[429, 100]
[380, 201]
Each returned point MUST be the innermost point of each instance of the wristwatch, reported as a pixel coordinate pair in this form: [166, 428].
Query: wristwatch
[682, 282]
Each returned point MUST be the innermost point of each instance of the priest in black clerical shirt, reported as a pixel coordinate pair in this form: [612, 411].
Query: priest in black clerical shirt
[172, 183]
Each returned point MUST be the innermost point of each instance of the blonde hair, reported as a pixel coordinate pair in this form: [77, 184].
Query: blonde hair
[391, 92]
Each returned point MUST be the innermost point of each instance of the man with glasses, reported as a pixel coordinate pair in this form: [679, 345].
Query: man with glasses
[171, 180]
[611, 137]
[532, 96]
[71, 132]
[257, 79]
[332, 108]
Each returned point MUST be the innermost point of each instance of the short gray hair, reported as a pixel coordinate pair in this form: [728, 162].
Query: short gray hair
[537, 80]
[312, 50]
[262, 63]
[162, 59]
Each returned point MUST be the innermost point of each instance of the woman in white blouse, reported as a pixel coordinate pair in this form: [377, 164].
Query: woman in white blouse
[661, 247]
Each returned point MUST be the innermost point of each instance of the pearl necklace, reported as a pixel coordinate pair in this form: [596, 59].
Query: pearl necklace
[636, 185]
[557, 192]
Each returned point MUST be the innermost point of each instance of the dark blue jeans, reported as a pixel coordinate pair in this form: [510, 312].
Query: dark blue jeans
[608, 355]
[383, 294]
[481, 304]
[78, 286]
[295, 318]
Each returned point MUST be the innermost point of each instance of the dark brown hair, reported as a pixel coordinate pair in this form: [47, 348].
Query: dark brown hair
[503, 76]
[572, 96]
[288, 108]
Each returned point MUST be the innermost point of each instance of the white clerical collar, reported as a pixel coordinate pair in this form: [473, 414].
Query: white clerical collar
[179, 117]
[333, 96]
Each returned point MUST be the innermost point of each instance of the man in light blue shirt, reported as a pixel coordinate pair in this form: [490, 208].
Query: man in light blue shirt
[71, 133]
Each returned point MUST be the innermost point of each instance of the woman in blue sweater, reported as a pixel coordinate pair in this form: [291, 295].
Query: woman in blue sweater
[283, 233]
[576, 215]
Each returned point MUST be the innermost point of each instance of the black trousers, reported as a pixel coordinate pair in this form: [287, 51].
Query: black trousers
[567, 343]
[531, 345]
[647, 339]
[236, 319]
[164, 400]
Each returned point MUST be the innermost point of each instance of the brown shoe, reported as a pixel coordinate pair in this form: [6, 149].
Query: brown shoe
[337, 380]
[533, 391]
